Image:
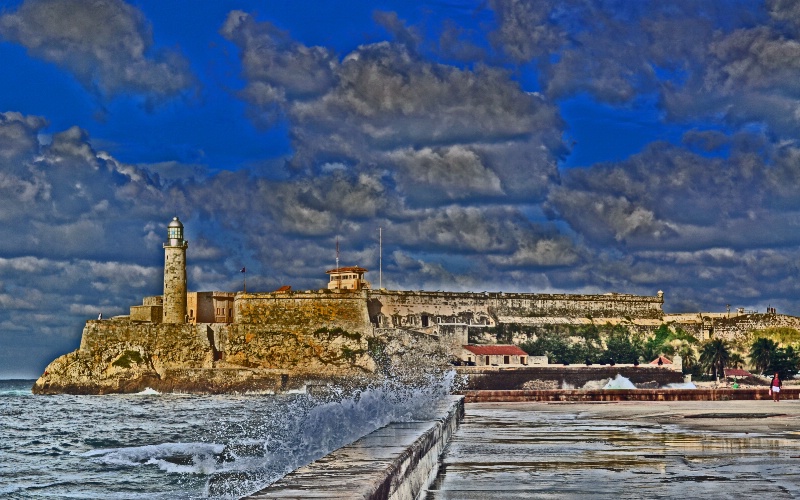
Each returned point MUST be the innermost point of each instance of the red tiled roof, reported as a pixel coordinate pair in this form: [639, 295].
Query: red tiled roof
[284, 289]
[351, 269]
[737, 372]
[664, 361]
[497, 349]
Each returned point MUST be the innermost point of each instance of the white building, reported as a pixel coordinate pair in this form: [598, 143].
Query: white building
[494, 355]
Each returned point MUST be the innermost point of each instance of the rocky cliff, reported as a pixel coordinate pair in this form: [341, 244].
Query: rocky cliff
[121, 356]
[124, 356]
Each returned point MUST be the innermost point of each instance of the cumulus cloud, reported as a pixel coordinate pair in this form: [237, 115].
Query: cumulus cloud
[107, 45]
[665, 195]
[444, 174]
[440, 132]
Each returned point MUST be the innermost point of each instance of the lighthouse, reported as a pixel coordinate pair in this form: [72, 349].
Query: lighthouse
[175, 273]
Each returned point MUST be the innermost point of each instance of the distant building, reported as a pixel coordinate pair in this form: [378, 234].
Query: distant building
[348, 278]
[494, 355]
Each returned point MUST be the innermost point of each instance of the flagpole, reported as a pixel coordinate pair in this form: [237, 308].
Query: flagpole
[380, 258]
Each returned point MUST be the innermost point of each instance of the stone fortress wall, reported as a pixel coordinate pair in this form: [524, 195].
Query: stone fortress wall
[430, 312]
[304, 311]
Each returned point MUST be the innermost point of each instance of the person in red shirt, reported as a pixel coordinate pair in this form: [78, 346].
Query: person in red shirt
[775, 388]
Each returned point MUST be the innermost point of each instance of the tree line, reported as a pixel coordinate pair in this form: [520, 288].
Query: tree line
[611, 344]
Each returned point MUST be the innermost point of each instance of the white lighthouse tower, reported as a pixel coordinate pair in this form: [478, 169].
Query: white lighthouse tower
[175, 274]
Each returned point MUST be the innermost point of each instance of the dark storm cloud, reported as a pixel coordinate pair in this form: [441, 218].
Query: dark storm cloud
[704, 59]
[107, 44]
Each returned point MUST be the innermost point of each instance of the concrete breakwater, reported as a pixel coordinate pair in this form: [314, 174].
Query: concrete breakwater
[394, 462]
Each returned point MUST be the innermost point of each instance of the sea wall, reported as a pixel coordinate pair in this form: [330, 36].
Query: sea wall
[562, 377]
[395, 462]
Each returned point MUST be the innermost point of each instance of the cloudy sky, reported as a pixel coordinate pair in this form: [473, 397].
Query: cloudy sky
[505, 145]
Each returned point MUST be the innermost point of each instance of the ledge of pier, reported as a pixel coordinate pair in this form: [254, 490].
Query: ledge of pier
[394, 462]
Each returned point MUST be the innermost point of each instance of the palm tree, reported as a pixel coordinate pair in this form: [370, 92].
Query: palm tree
[714, 354]
[688, 357]
[761, 353]
[736, 360]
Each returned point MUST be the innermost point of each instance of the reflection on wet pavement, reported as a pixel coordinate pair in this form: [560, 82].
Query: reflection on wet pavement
[540, 450]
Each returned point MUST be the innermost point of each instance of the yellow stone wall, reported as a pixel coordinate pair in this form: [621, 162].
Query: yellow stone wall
[304, 311]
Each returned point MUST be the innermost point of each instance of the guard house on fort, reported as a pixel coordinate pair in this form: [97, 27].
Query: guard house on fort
[348, 278]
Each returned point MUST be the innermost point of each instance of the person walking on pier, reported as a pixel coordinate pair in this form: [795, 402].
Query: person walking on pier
[775, 388]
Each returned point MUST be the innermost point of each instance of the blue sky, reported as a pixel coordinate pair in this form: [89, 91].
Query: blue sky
[549, 146]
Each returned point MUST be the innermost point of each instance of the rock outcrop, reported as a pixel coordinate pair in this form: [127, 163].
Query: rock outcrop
[121, 356]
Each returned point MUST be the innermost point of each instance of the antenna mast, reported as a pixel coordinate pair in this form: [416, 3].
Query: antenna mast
[338, 276]
[380, 258]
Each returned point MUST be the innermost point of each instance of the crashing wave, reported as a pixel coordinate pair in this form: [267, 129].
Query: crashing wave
[619, 382]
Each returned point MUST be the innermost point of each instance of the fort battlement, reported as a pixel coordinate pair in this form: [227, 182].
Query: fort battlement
[420, 309]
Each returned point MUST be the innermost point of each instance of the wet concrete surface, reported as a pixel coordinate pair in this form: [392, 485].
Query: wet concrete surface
[675, 449]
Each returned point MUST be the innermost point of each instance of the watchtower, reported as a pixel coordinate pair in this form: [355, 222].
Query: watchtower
[175, 273]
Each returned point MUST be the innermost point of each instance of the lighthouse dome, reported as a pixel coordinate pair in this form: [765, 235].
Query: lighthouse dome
[175, 232]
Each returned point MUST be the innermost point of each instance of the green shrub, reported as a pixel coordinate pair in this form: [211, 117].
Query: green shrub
[127, 358]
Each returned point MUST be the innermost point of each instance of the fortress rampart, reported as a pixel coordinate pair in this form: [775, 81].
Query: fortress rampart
[304, 311]
[423, 310]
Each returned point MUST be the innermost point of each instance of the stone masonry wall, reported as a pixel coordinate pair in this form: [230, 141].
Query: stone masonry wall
[737, 327]
[414, 309]
[163, 346]
[323, 353]
[304, 311]
[561, 305]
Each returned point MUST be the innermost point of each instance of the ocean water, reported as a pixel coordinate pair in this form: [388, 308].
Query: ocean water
[174, 446]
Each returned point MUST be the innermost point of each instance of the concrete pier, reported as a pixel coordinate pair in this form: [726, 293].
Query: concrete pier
[708, 443]
[612, 450]
[394, 462]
